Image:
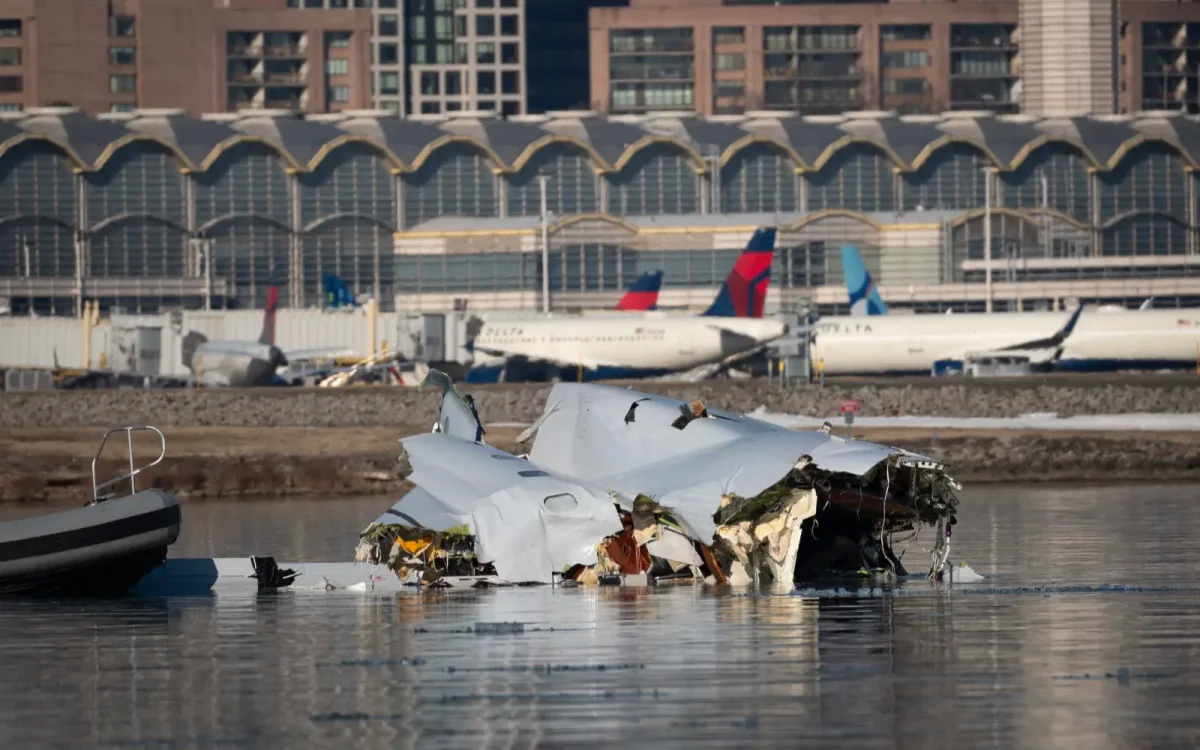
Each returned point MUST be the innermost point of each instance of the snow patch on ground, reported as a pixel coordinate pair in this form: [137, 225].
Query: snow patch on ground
[1040, 421]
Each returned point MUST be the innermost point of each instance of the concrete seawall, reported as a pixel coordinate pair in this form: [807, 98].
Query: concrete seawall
[382, 407]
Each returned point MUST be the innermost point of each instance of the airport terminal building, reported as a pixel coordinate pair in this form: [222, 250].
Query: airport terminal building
[152, 210]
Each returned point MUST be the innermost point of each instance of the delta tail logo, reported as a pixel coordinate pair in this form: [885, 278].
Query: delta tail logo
[744, 293]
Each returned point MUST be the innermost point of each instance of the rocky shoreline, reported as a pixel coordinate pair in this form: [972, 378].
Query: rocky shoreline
[383, 407]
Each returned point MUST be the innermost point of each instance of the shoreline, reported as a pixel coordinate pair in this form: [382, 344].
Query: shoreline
[53, 465]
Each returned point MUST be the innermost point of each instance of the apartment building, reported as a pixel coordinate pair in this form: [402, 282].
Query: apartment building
[1041, 57]
[197, 55]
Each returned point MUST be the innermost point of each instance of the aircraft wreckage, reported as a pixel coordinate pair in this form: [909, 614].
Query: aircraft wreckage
[625, 486]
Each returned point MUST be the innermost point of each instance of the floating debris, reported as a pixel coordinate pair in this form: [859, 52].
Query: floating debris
[623, 487]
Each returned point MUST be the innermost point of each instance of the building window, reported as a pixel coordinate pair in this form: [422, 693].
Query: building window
[431, 108]
[485, 52]
[337, 38]
[338, 4]
[729, 35]
[445, 54]
[10, 107]
[810, 38]
[510, 25]
[454, 106]
[121, 26]
[389, 25]
[730, 89]
[485, 82]
[10, 55]
[510, 82]
[337, 66]
[650, 40]
[485, 3]
[510, 3]
[11, 84]
[907, 59]
[485, 25]
[119, 107]
[122, 84]
[726, 61]
[314, 3]
[487, 105]
[388, 54]
[10, 27]
[510, 53]
[911, 32]
[902, 86]
[460, 53]
[122, 55]
[460, 26]
[443, 28]
[453, 82]
[339, 94]
[508, 109]
[429, 83]
[656, 95]
[385, 3]
[389, 82]
[393, 107]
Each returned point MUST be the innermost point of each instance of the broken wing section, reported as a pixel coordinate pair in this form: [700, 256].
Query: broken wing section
[476, 510]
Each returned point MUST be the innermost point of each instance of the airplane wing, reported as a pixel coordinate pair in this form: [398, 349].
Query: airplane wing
[300, 355]
[1053, 342]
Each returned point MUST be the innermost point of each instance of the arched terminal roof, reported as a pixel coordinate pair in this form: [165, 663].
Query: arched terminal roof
[609, 142]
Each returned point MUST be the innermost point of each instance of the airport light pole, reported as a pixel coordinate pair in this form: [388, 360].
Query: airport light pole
[542, 180]
[987, 234]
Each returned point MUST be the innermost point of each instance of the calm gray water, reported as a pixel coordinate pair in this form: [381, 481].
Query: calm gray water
[1085, 635]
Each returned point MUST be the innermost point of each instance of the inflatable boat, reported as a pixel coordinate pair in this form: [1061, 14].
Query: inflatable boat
[101, 549]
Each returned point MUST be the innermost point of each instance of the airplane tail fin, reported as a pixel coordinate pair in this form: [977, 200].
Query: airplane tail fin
[268, 329]
[745, 289]
[864, 296]
[191, 341]
[337, 294]
[457, 416]
[643, 295]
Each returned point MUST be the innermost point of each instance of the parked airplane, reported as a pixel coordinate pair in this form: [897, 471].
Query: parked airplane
[1098, 340]
[242, 364]
[237, 363]
[643, 295]
[628, 346]
[864, 295]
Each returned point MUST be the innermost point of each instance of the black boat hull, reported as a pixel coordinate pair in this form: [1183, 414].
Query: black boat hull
[99, 550]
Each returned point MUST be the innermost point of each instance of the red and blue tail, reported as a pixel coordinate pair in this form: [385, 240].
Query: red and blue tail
[643, 295]
[745, 290]
[268, 329]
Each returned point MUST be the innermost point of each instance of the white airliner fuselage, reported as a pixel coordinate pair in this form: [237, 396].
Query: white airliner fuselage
[1101, 340]
[627, 345]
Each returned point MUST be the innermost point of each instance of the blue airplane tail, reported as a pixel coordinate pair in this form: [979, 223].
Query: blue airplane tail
[745, 289]
[337, 294]
[864, 296]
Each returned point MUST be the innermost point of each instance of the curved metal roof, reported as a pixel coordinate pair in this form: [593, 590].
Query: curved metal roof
[610, 142]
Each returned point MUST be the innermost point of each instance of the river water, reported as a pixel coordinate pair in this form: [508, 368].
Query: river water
[1086, 634]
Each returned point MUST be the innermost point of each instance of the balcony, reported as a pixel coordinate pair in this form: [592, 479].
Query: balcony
[285, 50]
[286, 79]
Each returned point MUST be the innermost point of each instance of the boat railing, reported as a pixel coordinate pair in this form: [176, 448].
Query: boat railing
[133, 471]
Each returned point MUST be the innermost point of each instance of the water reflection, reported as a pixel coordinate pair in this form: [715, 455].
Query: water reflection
[647, 667]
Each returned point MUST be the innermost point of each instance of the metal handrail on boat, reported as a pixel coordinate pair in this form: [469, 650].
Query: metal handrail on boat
[133, 472]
